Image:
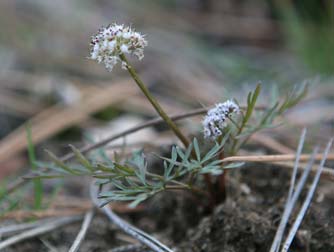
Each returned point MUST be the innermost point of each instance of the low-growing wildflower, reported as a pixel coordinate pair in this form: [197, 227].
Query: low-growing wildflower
[215, 120]
[112, 41]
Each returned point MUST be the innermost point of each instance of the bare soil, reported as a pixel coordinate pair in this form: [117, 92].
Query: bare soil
[246, 221]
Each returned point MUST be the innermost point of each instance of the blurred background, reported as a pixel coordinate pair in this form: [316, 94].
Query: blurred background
[199, 52]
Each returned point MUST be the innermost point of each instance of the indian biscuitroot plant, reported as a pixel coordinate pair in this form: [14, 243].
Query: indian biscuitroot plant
[226, 128]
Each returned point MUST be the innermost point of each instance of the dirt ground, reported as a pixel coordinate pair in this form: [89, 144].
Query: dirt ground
[246, 221]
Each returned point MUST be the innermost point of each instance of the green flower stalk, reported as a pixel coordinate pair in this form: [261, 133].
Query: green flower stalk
[109, 47]
[154, 102]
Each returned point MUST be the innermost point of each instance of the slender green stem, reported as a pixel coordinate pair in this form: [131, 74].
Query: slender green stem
[154, 102]
[251, 101]
[38, 187]
[171, 181]
[234, 122]
[179, 185]
[235, 141]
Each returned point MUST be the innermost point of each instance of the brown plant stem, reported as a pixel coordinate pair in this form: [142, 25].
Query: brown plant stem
[221, 183]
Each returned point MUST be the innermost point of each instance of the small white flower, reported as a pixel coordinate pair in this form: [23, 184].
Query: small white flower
[111, 41]
[124, 49]
[215, 120]
[127, 35]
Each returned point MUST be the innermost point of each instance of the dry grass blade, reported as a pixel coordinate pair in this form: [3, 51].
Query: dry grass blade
[61, 211]
[307, 201]
[130, 248]
[81, 235]
[38, 231]
[294, 173]
[291, 201]
[135, 129]
[22, 214]
[12, 229]
[136, 233]
[274, 158]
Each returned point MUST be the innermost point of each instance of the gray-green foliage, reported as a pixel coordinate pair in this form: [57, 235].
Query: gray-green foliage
[251, 122]
[131, 179]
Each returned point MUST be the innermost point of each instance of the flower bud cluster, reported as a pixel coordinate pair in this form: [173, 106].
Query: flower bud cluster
[215, 120]
[112, 41]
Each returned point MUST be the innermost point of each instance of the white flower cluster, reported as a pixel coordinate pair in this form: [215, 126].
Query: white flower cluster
[113, 40]
[215, 120]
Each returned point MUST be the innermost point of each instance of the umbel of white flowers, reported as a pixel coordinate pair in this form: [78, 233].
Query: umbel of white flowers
[215, 120]
[112, 41]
